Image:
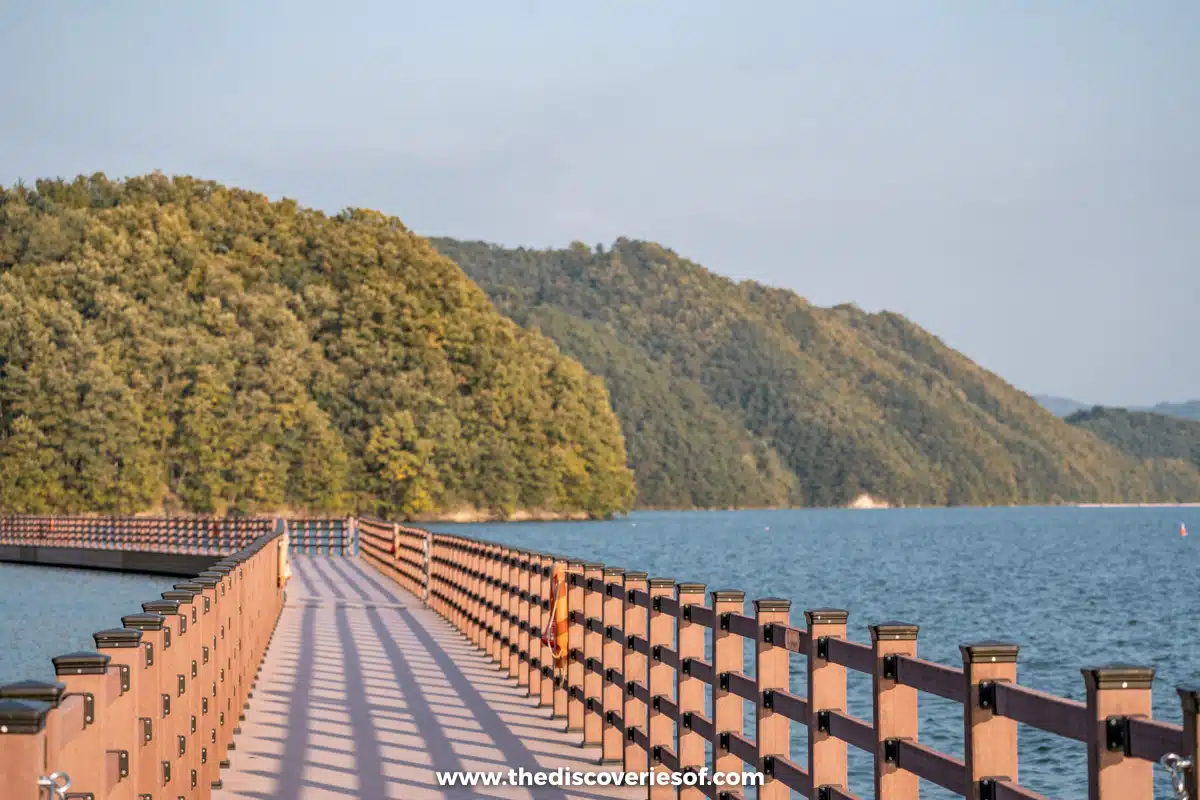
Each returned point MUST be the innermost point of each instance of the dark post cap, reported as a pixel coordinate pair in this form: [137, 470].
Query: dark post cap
[190, 586]
[34, 690]
[213, 573]
[592, 565]
[1118, 676]
[772, 604]
[575, 564]
[894, 631]
[221, 568]
[82, 663]
[161, 607]
[614, 571]
[989, 653]
[1190, 697]
[22, 716]
[826, 616]
[662, 583]
[689, 587]
[143, 622]
[182, 595]
[635, 576]
[729, 596]
[117, 637]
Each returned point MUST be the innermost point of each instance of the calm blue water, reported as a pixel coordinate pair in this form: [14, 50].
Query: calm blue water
[1074, 587]
[49, 611]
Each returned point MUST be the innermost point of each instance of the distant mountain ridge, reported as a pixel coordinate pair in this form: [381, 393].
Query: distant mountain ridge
[1064, 406]
[729, 394]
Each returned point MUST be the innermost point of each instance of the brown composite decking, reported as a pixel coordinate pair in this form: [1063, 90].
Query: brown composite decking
[365, 693]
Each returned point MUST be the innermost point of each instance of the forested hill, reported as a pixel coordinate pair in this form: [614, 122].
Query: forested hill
[172, 343]
[735, 393]
[1142, 433]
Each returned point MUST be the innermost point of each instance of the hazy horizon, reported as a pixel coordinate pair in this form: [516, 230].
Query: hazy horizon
[1023, 182]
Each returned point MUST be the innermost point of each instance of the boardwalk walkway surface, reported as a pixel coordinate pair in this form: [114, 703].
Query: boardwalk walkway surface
[365, 693]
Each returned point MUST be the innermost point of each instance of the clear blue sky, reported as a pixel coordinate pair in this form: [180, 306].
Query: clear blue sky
[1021, 178]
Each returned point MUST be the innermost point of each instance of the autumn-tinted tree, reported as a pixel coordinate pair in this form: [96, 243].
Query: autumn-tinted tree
[173, 343]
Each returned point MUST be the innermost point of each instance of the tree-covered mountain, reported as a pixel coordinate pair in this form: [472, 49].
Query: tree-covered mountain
[850, 402]
[1064, 407]
[1142, 433]
[1186, 410]
[172, 343]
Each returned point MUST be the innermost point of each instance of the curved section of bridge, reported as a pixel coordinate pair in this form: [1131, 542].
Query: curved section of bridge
[366, 693]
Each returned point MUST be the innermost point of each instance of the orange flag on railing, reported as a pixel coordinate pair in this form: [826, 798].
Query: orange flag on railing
[555, 634]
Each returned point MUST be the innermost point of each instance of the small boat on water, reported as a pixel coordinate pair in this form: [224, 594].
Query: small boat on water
[1182, 529]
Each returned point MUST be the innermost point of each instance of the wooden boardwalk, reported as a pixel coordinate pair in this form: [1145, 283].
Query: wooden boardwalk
[365, 693]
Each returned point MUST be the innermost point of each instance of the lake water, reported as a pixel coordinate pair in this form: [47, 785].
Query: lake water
[49, 611]
[1074, 587]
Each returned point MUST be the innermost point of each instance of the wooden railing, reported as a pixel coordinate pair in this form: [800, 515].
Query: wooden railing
[321, 535]
[201, 536]
[639, 674]
[152, 712]
[398, 551]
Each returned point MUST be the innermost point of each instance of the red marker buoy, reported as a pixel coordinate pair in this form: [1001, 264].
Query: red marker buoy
[1182, 529]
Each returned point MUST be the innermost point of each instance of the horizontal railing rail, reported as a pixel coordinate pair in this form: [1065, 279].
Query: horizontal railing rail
[637, 676]
[152, 711]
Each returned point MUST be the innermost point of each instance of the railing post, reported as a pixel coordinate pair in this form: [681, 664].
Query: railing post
[690, 690]
[661, 681]
[492, 569]
[427, 567]
[537, 622]
[1189, 698]
[895, 709]
[86, 673]
[826, 692]
[634, 670]
[575, 592]
[452, 550]
[127, 657]
[529, 564]
[23, 756]
[516, 611]
[613, 737]
[771, 672]
[396, 556]
[728, 656]
[593, 653]
[1116, 691]
[990, 740]
[506, 626]
[150, 700]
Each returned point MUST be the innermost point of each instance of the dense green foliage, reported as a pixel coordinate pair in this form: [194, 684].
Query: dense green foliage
[850, 402]
[174, 343]
[1142, 433]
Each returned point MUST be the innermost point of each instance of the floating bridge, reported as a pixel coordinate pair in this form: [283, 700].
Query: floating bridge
[361, 658]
